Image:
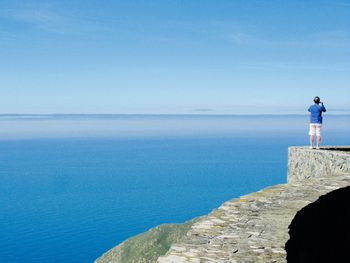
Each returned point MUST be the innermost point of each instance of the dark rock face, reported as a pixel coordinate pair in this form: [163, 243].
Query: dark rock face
[320, 232]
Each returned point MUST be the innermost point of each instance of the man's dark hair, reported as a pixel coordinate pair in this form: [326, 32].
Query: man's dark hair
[317, 100]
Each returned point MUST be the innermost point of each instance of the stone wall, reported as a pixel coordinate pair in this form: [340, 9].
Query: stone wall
[254, 228]
[305, 163]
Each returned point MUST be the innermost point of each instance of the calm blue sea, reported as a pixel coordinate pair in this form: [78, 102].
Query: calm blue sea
[72, 187]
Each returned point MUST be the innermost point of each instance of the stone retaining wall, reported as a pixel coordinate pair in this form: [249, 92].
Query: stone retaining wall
[305, 163]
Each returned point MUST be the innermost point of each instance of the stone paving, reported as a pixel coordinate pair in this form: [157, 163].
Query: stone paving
[253, 228]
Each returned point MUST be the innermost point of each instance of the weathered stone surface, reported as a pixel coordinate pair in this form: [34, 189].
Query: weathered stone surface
[253, 228]
[305, 163]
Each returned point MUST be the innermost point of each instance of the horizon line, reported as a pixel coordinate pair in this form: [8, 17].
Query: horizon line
[164, 114]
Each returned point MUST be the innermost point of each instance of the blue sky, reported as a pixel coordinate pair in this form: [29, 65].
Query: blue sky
[173, 56]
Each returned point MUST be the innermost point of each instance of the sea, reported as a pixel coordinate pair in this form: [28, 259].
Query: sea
[74, 186]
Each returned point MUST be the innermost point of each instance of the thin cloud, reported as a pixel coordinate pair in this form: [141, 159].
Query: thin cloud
[40, 18]
[341, 67]
[52, 21]
[336, 39]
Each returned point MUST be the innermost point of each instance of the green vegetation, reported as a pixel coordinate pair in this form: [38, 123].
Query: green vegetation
[148, 246]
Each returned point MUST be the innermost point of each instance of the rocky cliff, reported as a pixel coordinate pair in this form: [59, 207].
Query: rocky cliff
[252, 228]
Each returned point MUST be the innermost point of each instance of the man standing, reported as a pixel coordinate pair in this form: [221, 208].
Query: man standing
[316, 121]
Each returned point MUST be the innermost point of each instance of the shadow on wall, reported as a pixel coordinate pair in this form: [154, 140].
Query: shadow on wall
[320, 232]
